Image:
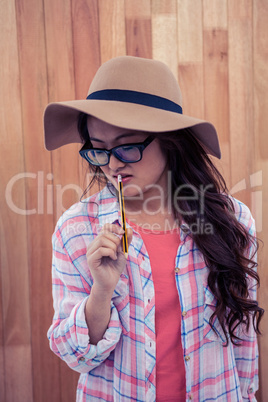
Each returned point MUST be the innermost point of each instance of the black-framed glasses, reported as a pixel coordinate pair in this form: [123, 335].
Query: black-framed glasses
[128, 153]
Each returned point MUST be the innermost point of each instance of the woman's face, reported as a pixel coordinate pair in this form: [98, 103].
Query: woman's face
[142, 178]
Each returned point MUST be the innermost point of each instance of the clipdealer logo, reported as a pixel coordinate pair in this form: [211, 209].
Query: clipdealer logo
[49, 196]
[46, 194]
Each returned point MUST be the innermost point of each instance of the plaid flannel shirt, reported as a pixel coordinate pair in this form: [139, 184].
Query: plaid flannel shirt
[121, 367]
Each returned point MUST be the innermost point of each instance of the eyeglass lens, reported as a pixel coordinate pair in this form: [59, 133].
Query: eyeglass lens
[124, 153]
[129, 153]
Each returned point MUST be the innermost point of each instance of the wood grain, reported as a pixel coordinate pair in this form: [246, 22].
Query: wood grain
[241, 94]
[86, 53]
[15, 280]
[33, 73]
[216, 75]
[164, 7]
[50, 50]
[260, 41]
[191, 81]
[164, 33]
[216, 80]
[2, 343]
[138, 28]
[112, 29]
[138, 9]
[190, 57]
[190, 38]
[260, 206]
[138, 36]
[61, 86]
[215, 14]
[86, 44]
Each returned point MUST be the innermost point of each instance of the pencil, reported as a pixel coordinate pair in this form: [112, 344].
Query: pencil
[123, 216]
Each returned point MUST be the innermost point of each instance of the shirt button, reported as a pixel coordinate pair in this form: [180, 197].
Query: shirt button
[82, 359]
[190, 397]
[177, 270]
[187, 358]
[184, 228]
[184, 313]
[250, 390]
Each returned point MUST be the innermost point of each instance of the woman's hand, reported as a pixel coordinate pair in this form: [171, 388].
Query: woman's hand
[105, 257]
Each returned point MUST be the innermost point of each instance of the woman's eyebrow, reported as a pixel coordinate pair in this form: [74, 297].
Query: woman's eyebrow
[116, 138]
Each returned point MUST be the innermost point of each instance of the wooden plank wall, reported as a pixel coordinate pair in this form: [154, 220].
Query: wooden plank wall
[50, 50]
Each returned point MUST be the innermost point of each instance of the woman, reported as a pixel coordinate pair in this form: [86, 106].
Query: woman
[177, 319]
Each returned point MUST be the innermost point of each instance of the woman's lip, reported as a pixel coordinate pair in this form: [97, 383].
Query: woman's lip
[125, 178]
[122, 175]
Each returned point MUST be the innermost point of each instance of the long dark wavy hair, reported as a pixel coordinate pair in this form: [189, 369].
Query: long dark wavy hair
[224, 249]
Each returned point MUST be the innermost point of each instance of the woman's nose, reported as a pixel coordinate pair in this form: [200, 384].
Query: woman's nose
[115, 163]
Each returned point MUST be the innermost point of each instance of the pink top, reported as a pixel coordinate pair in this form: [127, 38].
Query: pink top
[162, 248]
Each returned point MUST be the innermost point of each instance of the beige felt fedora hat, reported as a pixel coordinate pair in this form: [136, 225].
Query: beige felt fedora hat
[129, 92]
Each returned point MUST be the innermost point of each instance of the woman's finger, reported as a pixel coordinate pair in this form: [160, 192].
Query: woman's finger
[103, 241]
[112, 228]
[102, 235]
[102, 252]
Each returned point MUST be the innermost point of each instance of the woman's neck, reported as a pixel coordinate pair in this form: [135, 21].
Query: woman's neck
[162, 220]
[152, 200]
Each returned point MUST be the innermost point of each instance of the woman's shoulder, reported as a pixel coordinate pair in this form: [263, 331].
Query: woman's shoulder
[242, 212]
[82, 215]
[80, 208]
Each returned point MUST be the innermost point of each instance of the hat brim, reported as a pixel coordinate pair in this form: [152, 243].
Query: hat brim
[60, 121]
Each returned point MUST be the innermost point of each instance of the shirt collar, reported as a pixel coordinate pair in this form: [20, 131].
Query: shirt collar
[108, 207]
[109, 212]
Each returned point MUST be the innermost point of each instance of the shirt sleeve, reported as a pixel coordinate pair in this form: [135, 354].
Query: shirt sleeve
[246, 355]
[68, 334]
